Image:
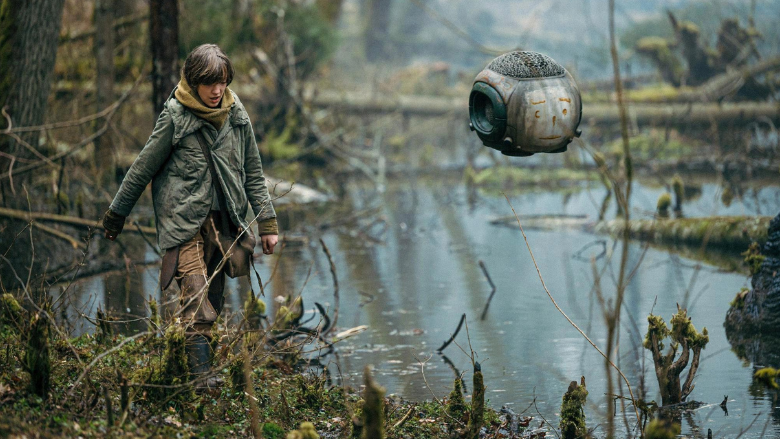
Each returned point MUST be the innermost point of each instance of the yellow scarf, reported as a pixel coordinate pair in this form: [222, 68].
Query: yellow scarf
[190, 99]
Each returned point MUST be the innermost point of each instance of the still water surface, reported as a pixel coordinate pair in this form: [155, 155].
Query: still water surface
[409, 268]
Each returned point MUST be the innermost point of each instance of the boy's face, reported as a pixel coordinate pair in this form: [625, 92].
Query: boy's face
[211, 94]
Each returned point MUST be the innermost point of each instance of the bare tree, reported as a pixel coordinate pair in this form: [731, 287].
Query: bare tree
[164, 38]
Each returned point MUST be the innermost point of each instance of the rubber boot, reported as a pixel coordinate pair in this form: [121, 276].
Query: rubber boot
[199, 359]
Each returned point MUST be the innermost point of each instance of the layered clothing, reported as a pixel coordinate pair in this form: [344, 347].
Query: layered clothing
[182, 191]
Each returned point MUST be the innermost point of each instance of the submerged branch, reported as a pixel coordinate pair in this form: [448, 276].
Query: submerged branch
[492, 291]
[454, 334]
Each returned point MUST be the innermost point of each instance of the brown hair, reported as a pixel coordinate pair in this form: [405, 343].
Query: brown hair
[207, 64]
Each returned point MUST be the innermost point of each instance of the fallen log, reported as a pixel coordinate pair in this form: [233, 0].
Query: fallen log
[656, 114]
[733, 233]
[69, 220]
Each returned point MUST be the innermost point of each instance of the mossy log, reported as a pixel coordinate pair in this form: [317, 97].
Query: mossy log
[725, 232]
[658, 114]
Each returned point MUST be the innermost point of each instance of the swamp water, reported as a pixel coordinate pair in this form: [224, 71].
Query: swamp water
[407, 264]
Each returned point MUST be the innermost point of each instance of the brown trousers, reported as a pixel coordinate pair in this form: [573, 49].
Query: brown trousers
[198, 258]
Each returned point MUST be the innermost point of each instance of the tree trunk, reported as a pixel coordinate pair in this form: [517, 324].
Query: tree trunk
[164, 37]
[378, 12]
[104, 56]
[29, 33]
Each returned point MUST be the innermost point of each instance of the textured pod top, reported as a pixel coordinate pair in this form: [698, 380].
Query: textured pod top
[526, 65]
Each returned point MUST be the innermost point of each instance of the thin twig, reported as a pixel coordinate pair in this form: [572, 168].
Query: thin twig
[111, 112]
[545, 420]
[630, 391]
[103, 355]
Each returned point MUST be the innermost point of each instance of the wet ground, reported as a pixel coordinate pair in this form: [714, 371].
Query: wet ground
[407, 262]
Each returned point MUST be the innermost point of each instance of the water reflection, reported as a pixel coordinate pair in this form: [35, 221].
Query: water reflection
[411, 282]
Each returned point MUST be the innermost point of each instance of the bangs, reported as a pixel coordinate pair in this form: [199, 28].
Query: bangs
[215, 71]
[207, 65]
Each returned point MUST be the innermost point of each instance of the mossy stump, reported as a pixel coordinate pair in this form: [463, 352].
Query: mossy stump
[572, 411]
[768, 377]
[477, 414]
[37, 360]
[373, 408]
[669, 366]
[456, 404]
[172, 371]
[664, 202]
[658, 429]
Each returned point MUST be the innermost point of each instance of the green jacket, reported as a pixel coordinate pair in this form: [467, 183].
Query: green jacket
[181, 182]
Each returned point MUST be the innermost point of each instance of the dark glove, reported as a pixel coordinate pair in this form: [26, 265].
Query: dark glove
[113, 223]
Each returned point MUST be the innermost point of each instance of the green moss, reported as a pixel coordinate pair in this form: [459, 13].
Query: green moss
[653, 145]
[662, 92]
[288, 317]
[456, 404]
[305, 431]
[657, 429]
[173, 370]
[509, 176]
[572, 411]
[272, 431]
[753, 258]
[10, 311]
[254, 310]
[659, 51]
[656, 325]
[721, 231]
[768, 377]
[662, 207]
[280, 145]
[477, 413]
[689, 27]
[684, 334]
[154, 320]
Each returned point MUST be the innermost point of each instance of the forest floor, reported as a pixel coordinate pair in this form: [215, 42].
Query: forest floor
[101, 385]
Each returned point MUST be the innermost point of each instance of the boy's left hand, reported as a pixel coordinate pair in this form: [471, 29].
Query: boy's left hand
[269, 242]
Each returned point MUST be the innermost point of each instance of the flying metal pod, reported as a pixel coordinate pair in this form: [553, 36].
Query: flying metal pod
[523, 103]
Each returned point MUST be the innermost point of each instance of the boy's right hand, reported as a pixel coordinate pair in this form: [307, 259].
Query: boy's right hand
[113, 223]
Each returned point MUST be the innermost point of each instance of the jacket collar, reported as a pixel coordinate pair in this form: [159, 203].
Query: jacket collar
[185, 123]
